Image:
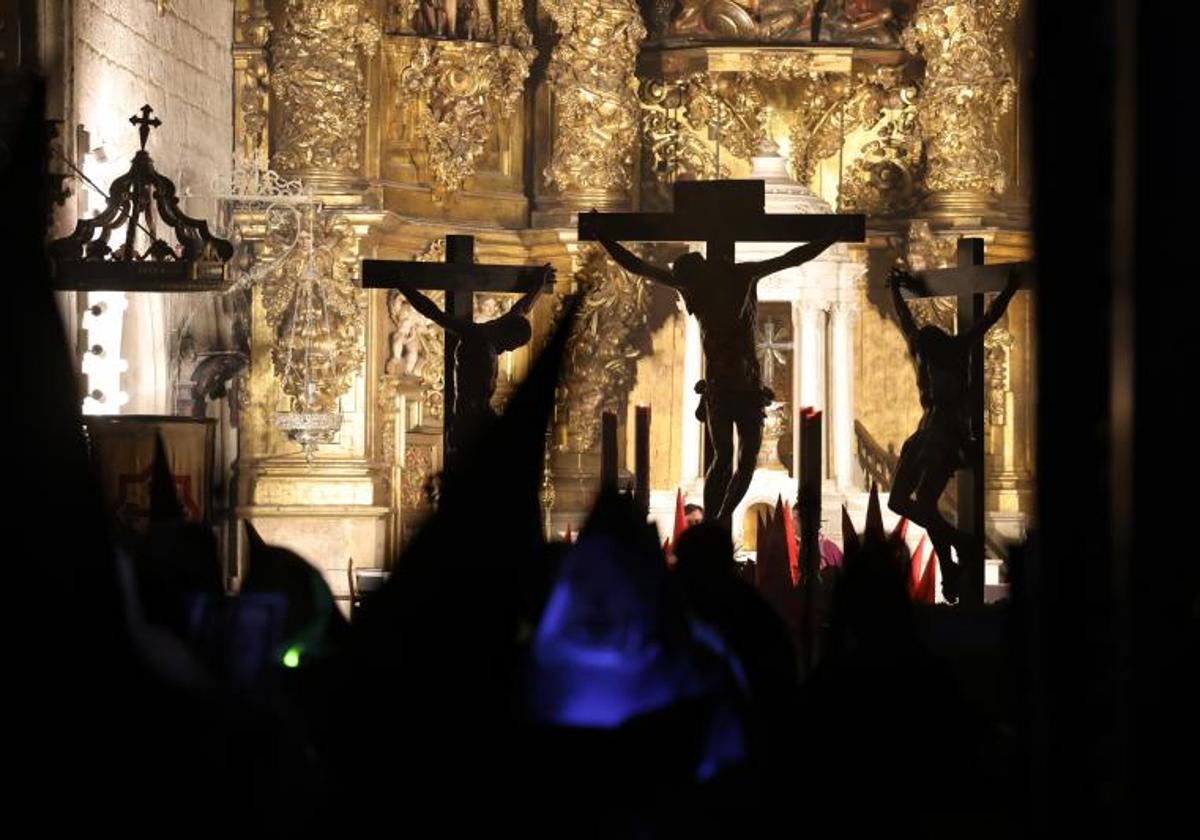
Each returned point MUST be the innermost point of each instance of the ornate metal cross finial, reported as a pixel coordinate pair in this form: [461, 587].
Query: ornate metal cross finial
[145, 123]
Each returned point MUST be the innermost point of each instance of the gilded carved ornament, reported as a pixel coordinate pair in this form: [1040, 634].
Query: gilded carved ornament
[591, 72]
[418, 471]
[685, 120]
[882, 178]
[318, 81]
[730, 109]
[924, 251]
[968, 86]
[466, 89]
[602, 352]
[676, 148]
[417, 344]
[997, 374]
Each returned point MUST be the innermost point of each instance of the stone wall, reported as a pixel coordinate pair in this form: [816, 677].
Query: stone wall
[124, 54]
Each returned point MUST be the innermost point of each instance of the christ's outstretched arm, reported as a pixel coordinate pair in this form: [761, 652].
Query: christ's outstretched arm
[797, 256]
[634, 264]
[431, 311]
[897, 280]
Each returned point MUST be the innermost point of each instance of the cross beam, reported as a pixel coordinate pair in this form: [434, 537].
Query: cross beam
[971, 279]
[722, 213]
[968, 282]
[460, 277]
[450, 276]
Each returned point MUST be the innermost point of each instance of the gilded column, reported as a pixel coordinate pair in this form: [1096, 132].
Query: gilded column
[968, 87]
[319, 92]
[592, 106]
[252, 81]
[1009, 401]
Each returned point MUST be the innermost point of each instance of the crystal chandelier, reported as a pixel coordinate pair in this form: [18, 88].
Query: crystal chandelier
[310, 359]
[298, 271]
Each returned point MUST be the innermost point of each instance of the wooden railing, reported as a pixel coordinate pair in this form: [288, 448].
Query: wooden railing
[878, 464]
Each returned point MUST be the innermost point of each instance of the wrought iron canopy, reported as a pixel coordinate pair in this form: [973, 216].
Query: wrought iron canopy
[137, 200]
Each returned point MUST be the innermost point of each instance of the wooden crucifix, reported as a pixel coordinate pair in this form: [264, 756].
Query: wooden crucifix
[722, 294]
[472, 349]
[950, 436]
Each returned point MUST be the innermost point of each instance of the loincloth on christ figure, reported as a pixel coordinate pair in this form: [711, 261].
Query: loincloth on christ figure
[942, 443]
[739, 402]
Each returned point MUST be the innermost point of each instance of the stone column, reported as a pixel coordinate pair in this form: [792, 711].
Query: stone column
[810, 344]
[808, 369]
[841, 375]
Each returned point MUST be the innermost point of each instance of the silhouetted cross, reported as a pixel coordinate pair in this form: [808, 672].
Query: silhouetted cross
[460, 277]
[145, 123]
[968, 282]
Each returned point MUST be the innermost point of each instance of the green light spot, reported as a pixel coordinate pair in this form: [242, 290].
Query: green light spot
[291, 657]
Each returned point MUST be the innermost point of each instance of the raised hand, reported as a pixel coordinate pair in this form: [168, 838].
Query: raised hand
[898, 278]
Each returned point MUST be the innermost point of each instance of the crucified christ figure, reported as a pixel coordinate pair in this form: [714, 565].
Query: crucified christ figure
[476, 358]
[944, 440]
[723, 295]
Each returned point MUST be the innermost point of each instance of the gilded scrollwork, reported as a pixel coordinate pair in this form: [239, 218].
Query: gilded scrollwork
[786, 67]
[591, 72]
[822, 119]
[968, 86]
[418, 469]
[466, 88]
[676, 150]
[883, 177]
[678, 116]
[729, 107]
[318, 82]
[602, 352]
[686, 121]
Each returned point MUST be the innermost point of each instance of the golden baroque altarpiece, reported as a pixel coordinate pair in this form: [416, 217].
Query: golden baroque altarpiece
[409, 120]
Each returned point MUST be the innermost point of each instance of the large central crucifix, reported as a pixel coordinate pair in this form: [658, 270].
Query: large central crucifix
[723, 296]
[471, 348]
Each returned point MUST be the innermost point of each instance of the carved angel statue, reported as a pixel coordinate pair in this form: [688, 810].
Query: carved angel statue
[406, 337]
